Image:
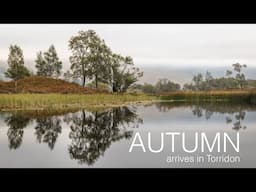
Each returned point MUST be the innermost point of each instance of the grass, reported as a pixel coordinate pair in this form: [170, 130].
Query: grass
[215, 96]
[57, 101]
[37, 84]
[40, 93]
[65, 101]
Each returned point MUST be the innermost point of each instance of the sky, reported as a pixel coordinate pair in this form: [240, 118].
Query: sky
[150, 45]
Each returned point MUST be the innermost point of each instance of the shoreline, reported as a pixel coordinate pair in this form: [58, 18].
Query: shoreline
[57, 101]
[41, 102]
[67, 107]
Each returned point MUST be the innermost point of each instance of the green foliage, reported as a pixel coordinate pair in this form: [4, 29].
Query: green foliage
[228, 73]
[148, 88]
[198, 80]
[16, 69]
[162, 86]
[42, 68]
[93, 60]
[200, 83]
[82, 46]
[122, 73]
[240, 77]
[188, 87]
[48, 63]
[68, 76]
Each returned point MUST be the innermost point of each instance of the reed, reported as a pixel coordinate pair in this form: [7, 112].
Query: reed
[62, 101]
[212, 96]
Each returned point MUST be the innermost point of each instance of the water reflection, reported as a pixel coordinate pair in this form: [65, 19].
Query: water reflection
[16, 124]
[238, 118]
[234, 113]
[91, 133]
[47, 130]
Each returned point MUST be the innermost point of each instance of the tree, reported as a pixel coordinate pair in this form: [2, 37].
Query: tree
[188, 87]
[228, 73]
[92, 59]
[148, 88]
[68, 76]
[208, 76]
[122, 73]
[208, 83]
[81, 47]
[198, 79]
[48, 63]
[16, 69]
[240, 77]
[41, 65]
[164, 85]
[211, 83]
[52, 59]
[99, 61]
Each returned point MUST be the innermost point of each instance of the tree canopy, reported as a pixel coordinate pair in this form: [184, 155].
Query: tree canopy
[93, 60]
[16, 69]
[48, 63]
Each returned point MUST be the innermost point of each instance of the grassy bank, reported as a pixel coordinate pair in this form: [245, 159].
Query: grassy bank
[214, 96]
[64, 101]
[102, 100]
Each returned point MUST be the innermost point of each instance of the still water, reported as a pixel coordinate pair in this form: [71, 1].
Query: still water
[102, 139]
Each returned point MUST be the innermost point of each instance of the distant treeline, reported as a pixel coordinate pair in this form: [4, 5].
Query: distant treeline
[162, 85]
[208, 82]
[91, 61]
[234, 79]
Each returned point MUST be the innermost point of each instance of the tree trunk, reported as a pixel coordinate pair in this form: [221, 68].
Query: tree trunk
[96, 116]
[83, 80]
[114, 89]
[96, 81]
[83, 70]
[83, 121]
[16, 84]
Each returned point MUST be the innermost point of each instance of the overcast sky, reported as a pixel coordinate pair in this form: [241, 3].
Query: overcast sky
[148, 44]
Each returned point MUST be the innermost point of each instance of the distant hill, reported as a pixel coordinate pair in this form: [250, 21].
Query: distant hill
[37, 84]
[185, 74]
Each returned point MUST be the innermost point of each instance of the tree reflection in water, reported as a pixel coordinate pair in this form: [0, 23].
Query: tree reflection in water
[16, 123]
[92, 133]
[47, 130]
[239, 117]
[235, 112]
